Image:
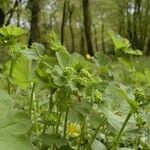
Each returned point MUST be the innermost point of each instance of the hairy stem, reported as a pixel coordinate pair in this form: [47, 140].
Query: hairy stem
[82, 134]
[31, 98]
[58, 123]
[65, 122]
[95, 133]
[49, 108]
[51, 100]
[35, 117]
[57, 129]
[117, 139]
[10, 75]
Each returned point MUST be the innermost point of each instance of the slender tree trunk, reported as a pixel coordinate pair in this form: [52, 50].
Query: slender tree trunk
[67, 43]
[63, 22]
[2, 17]
[102, 33]
[56, 24]
[121, 19]
[95, 37]
[136, 15]
[52, 18]
[87, 27]
[11, 12]
[71, 9]
[135, 25]
[129, 24]
[121, 24]
[82, 43]
[146, 23]
[34, 6]
[18, 13]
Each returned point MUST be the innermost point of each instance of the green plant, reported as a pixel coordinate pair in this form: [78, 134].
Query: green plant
[14, 125]
[73, 102]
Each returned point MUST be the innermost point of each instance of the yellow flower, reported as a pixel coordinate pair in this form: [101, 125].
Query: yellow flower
[73, 129]
[87, 56]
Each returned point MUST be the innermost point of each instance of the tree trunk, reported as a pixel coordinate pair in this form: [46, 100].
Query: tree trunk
[71, 9]
[136, 16]
[34, 7]
[102, 33]
[95, 37]
[2, 17]
[53, 21]
[11, 12]
[82, 43]
[129, 24]
[87, 27]
[63, 22]
[121, 20]
[145, 26]
[18, 13]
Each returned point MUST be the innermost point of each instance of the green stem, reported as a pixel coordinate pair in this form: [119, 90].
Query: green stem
[10, 74]
[31, 99]
[58, 123]
[96, 132]
[117, 139]
[82, 134]
[31, 105]
[44, 128]
[36, 118]
[57, 129]
[65, 123]
[53, 146]
[51, 100]
[34, 104]
[49, 108]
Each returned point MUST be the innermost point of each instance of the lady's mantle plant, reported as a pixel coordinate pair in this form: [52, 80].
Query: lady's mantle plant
[73, 102]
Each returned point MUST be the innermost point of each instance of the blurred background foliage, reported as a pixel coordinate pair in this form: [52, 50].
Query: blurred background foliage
[82, 25]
